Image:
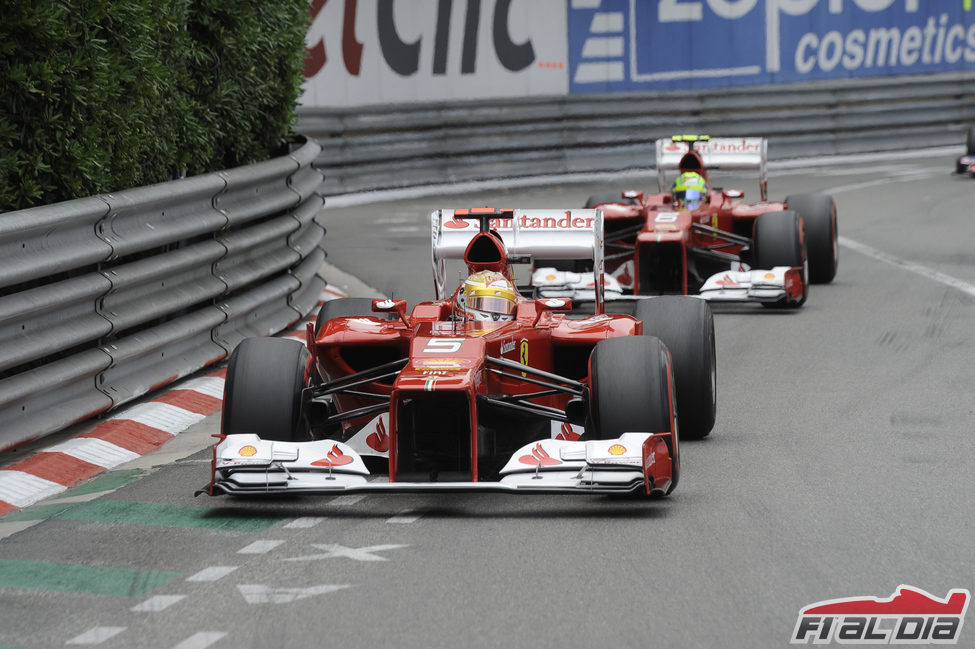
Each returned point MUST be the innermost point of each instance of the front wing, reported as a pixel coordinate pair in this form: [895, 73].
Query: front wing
[634, 463]
[775, 285]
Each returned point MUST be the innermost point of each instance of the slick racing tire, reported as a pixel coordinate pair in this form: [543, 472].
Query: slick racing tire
[347, 307]
[630, 381]
[970, 141]
[686, 327]
[818, 213]
[262, 392]
[778, 241]
[609, 197]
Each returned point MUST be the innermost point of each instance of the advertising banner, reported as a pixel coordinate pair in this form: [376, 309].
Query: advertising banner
[641, 45]
[399, 51]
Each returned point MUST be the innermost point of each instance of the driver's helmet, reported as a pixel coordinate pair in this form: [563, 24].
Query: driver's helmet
[487, 296]
[689, 191]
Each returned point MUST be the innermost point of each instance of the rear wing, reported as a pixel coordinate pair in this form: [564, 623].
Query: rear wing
[736, 153]
[527, 235]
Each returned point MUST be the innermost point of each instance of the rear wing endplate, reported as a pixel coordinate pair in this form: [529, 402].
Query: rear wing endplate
[735, 153]
[527, 235]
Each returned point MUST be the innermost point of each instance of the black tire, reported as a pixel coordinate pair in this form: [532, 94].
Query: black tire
[686, 327]
[629, 379]
[609, 197]
[818, 212]
[970, 141]
[262, 393]
[778, 241]
[347, 307]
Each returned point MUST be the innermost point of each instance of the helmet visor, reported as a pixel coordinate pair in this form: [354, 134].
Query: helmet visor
[693, 197]
[491, 304]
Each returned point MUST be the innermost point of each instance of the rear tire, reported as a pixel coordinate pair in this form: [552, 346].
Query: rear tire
[686, 326]
[629, 380]
[778, 241]
[818, 213]
[347, 307]
[262, 392]
[970, 140]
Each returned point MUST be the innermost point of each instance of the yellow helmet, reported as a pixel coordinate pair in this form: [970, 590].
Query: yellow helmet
[487, 295]
[689, 191]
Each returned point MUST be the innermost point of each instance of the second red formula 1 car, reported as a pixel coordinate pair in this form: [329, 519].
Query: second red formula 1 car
[698, 239]
[480, 389]
[966, 163]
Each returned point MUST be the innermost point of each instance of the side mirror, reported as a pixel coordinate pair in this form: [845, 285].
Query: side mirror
[553, 304]
[733, 193]
[391, 306]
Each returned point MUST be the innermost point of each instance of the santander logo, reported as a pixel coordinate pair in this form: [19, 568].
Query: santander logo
[379, 440]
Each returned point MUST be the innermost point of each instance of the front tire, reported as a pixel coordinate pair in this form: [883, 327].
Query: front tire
[970, 140]
[686, 327]
[778, 241]
[818, 213]
[262, 392]
[630, 382]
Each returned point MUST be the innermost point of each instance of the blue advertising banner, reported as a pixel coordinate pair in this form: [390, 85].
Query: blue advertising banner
[640, 45]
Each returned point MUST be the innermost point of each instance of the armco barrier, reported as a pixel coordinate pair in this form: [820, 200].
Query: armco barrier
[105, 298]
[383, 147]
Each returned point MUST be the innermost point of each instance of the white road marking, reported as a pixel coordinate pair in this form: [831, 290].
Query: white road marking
[260, 594]
[304, 522]
[162, 416]
[333, 551]
[345, 501]
[157, 603]
[94, 451]
[406, 517]
[212, 573]
[96, 635]
[22, 489]
[918, 269]
[200, 640]
[259, 547]
[212, 386]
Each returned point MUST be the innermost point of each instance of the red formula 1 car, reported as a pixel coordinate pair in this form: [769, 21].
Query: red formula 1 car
[722, 249]
[966, 163]
[480, 389]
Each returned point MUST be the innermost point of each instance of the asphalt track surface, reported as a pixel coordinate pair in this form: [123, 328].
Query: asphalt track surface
[840, 465]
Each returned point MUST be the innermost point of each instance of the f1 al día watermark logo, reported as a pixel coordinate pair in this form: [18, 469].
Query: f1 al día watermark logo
[909, 616]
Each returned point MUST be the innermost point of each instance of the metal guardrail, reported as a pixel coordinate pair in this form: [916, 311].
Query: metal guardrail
[105, 298]
[384, 147]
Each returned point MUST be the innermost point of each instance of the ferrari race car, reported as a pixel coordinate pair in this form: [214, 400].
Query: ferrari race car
[480, 389]
[716, 246]
[966, 163]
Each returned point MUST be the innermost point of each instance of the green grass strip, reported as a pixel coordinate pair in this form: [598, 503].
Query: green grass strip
[70, 578]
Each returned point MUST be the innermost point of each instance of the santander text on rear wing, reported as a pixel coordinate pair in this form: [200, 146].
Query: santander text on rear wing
[528, 235]
[729, 153]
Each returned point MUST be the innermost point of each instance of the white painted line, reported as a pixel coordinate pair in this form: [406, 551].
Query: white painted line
[212, 574]
[918, 269]
[304, 522]
[157, 603]
[94, 451]
[162, 416]
[345, 501]
[200, 640]
[96, 635]
[261, 594]
[212, 386]
[333, 551]
[259, 547]
[406, 517]
[22, 489]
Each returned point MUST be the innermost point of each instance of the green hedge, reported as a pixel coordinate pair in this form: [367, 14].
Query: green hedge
[102, 95]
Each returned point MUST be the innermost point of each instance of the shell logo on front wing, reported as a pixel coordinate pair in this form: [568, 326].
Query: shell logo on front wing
[617, 449]
[247, 451]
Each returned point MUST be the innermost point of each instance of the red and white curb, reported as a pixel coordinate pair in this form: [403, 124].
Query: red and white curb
[129, 434]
